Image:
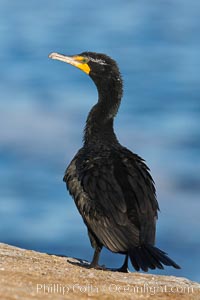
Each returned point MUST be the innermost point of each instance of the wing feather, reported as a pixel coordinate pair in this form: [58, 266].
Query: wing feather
[116, 197]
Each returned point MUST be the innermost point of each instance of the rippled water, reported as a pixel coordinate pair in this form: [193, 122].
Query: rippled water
[44, 105]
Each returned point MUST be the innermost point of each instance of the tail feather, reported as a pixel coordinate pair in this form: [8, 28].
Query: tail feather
[134, 260]
[153, 262]
[149, 257]
[141, 261]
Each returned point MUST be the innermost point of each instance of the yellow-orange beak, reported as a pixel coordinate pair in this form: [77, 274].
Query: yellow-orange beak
[76, 61]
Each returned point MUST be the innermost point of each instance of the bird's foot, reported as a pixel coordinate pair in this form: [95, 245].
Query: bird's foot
[86, 264]
[103, 268]
[122, 270]
[97, 267]
[124, 267]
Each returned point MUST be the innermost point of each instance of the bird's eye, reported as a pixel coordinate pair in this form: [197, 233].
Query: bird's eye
[85, 60]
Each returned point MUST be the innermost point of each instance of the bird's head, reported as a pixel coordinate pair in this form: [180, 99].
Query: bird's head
[98, 66]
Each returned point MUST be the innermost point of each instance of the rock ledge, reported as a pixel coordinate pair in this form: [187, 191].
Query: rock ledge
[26, 274]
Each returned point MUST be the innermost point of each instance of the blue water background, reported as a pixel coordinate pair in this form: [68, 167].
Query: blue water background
[44, 104]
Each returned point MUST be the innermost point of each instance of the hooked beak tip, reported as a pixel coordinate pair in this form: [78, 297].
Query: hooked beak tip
[52, 55]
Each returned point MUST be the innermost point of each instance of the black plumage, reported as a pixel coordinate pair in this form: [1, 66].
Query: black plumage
[111, 186]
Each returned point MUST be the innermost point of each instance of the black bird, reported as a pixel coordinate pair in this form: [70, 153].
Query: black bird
[111, 186]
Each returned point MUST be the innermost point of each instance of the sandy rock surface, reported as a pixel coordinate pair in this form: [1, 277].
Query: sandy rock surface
[26, 274]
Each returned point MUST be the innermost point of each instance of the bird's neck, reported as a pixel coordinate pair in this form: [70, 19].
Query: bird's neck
[99, 125]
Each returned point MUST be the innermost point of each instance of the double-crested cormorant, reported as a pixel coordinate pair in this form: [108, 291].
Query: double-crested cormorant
[111, 186]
